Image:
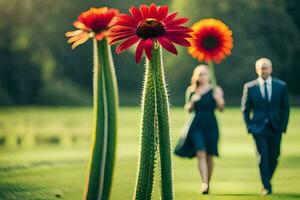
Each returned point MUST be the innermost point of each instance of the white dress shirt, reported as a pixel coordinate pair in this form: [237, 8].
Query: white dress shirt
[261, 82]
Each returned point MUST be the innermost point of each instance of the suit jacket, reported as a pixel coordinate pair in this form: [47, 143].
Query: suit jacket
[257, 113]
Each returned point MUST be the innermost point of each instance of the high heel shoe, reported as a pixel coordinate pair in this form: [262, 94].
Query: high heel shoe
[204, 188]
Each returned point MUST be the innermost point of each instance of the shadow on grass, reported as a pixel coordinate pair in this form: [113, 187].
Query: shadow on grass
[27, 192]
[280, 195]
[233, 195]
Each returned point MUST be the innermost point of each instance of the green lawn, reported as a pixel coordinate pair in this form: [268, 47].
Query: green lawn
[44, 154]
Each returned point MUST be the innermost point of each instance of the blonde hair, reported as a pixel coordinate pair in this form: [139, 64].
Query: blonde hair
[195, 76]
[260, 62]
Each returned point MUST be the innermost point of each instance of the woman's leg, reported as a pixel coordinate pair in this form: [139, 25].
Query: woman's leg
[202, 165]
[210, 165]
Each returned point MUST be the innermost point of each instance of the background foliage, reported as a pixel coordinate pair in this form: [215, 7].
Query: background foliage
[38, 67]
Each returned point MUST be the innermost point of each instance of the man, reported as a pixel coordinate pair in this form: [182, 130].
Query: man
[265, 107]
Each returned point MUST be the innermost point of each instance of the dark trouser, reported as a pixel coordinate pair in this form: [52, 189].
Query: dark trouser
[268, 148]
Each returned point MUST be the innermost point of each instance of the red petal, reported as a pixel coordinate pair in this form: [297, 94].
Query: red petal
[179, 29]
[148, 45]
[117, 29]
[179, 34]
[145, 11]
[139, 51]
[165, 43]
[162, 12]
[112, 40]
[170, 17]
[126, 20]
[178, 40]
[112, 22]
[119, 33]
[126, 17]
[152, 11]
[125, 24]
[116, 33]
[136, 13]
[126, 44]
[177, 22]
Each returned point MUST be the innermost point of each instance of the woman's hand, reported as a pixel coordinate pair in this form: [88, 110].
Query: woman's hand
[219, 97]
[195, 97]
[190, 105]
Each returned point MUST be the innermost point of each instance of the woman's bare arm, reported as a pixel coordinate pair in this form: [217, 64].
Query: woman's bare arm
[189, 106]
[219, 97]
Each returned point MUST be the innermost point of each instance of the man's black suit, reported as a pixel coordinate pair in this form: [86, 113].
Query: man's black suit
[266, 119]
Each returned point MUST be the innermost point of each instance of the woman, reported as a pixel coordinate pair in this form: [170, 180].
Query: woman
[200, 137]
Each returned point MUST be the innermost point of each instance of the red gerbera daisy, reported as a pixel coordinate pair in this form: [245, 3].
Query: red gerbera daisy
[94, 22]
[212, 40]
[146, 26]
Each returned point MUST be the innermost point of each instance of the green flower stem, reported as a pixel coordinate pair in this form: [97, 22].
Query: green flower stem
[155, 132]
[212, 74]
[105, 123]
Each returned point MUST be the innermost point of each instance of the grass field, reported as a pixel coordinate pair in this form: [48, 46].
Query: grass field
[44, 154]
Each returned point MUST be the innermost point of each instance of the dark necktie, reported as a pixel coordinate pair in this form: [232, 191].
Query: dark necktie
[266, 92]
[267, 101]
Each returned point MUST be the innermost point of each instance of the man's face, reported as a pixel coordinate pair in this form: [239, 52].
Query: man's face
[264, 70]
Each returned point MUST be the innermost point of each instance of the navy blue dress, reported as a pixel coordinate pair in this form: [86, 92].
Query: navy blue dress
[201, 132]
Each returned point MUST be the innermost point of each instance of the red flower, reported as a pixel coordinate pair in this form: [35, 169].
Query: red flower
[94, 22]
[212, 40]
[146, 26]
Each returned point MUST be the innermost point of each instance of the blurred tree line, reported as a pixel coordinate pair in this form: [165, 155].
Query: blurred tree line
[268, 28]
[37, 66]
